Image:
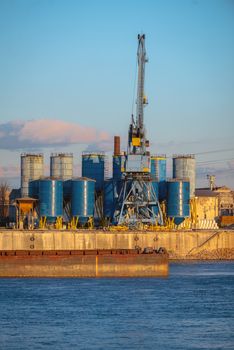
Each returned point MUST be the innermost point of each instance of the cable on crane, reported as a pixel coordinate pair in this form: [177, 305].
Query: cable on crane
[134, 88]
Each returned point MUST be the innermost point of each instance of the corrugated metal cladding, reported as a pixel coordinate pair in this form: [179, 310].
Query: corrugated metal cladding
[32, 168]
[61, 166]
[184, 167]
[50, 198]
[178, 200]
[158, 169]
[95, 166]
[117, 166]
[82, 198]
[33, 189]
[110, 197]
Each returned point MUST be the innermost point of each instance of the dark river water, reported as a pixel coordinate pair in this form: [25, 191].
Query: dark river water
[191, 309]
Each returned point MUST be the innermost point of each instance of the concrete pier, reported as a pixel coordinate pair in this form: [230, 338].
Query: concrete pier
[210, 244]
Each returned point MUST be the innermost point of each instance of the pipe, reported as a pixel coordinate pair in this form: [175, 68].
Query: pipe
[116, 145]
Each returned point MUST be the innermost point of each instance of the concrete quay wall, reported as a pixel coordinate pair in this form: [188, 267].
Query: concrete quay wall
[210, 244]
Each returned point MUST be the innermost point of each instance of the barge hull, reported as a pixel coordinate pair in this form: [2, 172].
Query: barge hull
[82, 264]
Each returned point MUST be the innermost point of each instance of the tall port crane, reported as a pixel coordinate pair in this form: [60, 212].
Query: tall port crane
[137, 201]
[137, 137]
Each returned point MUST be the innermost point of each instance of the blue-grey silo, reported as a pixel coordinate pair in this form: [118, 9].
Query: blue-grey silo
[158, 164]
[50, 198]
[67, 189]
[117, 167]
[82, 198]
[110, 197]
[94, 166]
[33, 188]
[178, 200]
[184, 167]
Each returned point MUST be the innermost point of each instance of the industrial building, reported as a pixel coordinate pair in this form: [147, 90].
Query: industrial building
[139, 195]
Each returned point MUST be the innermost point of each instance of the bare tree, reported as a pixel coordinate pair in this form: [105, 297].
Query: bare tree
[4, 199]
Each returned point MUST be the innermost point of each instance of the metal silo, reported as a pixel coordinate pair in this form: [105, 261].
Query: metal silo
[94, 166]
[118, 167]
[110, 197]
[178, 206]
[61, 166]
[158, 171]
[32, 168]
[67, 189]
[33, 189]
[184, 167]
[82, 198]
[50, 198]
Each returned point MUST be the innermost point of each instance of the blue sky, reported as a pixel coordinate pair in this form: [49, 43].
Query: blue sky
[74, 62]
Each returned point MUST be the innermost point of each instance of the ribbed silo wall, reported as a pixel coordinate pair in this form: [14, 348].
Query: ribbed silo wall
[117, 166]
[50, 198]
[158, 164]
[82, 198]
[110, 196]
[32, 168]
[178, 196]
[184, 167]
[61, 166]
[94, 166]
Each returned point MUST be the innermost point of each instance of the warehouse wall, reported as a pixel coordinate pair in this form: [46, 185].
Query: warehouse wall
[180, 244]
[207, 208]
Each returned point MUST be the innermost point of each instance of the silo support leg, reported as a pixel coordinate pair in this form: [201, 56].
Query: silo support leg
[59, 223]
[42, 222]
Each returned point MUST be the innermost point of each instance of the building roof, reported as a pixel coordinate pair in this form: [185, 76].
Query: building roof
[205, 192]
[222, 189]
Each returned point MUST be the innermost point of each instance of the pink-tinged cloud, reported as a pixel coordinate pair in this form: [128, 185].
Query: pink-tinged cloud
[9, 171]
[46, 133]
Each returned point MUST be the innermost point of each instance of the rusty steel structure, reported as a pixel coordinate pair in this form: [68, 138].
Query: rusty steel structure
[116, 145]
[84, 263]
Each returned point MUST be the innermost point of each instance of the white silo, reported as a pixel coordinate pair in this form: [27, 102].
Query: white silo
[32, 168]
[184, 167]
[61, 166]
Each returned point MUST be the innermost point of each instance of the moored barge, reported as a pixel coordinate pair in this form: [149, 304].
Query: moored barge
[84, 263]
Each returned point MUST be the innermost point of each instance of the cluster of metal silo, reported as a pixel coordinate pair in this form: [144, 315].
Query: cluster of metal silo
[177, 191]
[80, 195]
[32, 168]
[52, 192]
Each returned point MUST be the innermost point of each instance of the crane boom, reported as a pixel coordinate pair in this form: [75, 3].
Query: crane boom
[141, 55]
[137, 137]
[137, 157]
